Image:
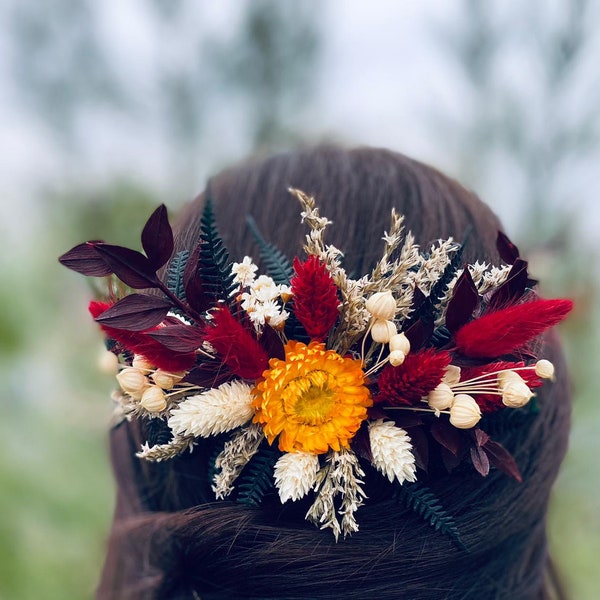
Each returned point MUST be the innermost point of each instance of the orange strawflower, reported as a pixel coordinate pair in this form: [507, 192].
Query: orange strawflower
[313, 400]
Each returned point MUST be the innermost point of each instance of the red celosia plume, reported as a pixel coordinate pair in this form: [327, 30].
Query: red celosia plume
[508, 330]
[139, 343]
[315, 297]
[420, 373]
[237, 346]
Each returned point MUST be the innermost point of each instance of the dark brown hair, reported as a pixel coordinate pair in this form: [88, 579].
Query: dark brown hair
[171, 540]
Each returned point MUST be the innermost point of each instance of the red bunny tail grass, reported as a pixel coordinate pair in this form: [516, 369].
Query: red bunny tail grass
[237, 346]
[420, 373]
[315, 297]
[139, 343]
[508, 330]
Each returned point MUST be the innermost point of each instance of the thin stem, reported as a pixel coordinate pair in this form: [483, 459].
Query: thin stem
[188, 310]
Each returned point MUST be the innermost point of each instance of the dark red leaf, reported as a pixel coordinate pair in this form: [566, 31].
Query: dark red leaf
[157, 238]
[501, 458]
[419, 333]
[180, 338]
[446, 435]
[513, 288]
[480, 460]
[136, 312]
[420, 445]
[361, 443]
[131, 267]
[465, 299]
[272, 343]
[85, 260]
[509, 253]
[209, 374]
[450, 460]
[480, 437]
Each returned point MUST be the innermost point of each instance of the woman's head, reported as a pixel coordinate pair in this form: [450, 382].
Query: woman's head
[171, 540]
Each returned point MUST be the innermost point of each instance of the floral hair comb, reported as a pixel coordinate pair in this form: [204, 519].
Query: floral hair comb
[304, 379]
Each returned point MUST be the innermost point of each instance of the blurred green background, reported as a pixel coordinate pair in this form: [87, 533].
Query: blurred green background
[110, 108]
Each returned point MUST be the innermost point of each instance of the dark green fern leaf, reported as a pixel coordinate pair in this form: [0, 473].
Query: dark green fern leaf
[213, 262]
[278, 266]
[175, 274]
[424, 504]
[428, 310]
[256, 479]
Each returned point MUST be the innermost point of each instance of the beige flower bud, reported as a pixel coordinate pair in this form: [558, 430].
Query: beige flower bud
[516, 394]
[132, 381]
[400, 342]
[506, 377]
[544, 369]
[153, 399]
[464, 412]
[441, 398]
[142, 363]
[382, 306]
[382, 331]
[108, 363]
[166, 380]
[397, 357]
[452, 376]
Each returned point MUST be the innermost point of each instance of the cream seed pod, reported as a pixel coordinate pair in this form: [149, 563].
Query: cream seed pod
[506, 377]
[464, 412]
[396, 358]
[544, 369]
[153, 399]
[382, 306]
[452, 376]
[399, 342]
[142, 363]
[516, 394]
[165, 379]
[108, 363]
[382, 331]
[133, 382]
[441, 398]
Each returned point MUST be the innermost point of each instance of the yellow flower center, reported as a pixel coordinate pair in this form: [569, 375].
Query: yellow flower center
[313, 400]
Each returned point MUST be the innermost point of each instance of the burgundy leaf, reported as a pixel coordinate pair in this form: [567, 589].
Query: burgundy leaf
[85, 260]
[375, 412]
[209, 374]
[446, 435]
[481, 437]
[131, 267]
[180, 338]
[480, 460]
[272, 343]
[450, 461]
[361, 443]
[136, 312]
[513, 288]
[419, 333]
[509, 253]
[501, 458]
[157, 238]
[465, 299]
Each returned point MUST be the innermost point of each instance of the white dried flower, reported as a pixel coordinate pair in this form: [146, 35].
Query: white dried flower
[265, 289]
[516, 394]
[452, 375]
[396, 358]
[295, 474]
[278, 321]
[544, 369]
[465, 412]
[382, 331]
[392, 451]
[400, 342]
[441, 398]
[215, 411]
[244, 271]
[133, 382]
[382, 306]
[153, 399]
[263, 312]
[285, 293]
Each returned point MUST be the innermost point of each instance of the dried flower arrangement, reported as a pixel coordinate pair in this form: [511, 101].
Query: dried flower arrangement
[315, 376]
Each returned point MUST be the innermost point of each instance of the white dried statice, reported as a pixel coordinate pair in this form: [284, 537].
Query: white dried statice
[178, 445]
[235, 455]
[261, 302]
[392, 451]
[341, 476]
[214, 411]
[295, 474]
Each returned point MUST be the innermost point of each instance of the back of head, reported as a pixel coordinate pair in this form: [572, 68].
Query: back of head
[170, 539]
